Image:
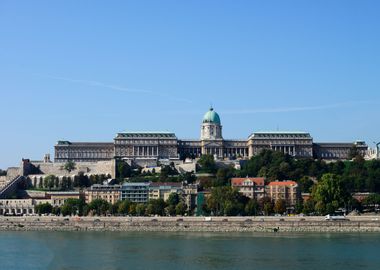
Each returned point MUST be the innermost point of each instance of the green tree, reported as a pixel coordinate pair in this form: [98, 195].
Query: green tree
[251, 208]
[156, 207]
[188, 177]
[140, 209]
[69, 166]
[99, 207]
[280, 206]
[266, 205]
[132, 209]
[73, 207]
[167, 171]
[308, 207]
[123, 208]
[207, 163]
[180, 209]
[123, 170]
[305, 184]
[226, 201]
[81, 180]
[43, 208]
[49, 181]
[173, 199]
[330, 193]
[268, 208]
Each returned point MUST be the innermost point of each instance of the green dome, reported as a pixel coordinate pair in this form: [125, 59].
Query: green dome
[211, 117]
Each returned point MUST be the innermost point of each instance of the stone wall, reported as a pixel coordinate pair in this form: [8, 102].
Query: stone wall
[192, 224]
[89, 168]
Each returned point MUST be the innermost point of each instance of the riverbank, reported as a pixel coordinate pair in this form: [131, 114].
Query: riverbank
[190, 224]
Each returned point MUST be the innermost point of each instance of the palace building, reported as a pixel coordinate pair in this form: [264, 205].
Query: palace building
[150, 147]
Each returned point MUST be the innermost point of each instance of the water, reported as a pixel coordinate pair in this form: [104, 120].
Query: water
[122, 250]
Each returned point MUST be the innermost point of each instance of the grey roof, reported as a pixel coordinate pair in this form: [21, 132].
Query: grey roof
[339, 144]
[267, 134]
[133, 184]
[146, 134]
[63, 143]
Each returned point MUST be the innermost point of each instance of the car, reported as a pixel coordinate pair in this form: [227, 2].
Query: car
[337, 218]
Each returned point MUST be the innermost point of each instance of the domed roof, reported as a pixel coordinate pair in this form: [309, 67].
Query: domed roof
[211, 117]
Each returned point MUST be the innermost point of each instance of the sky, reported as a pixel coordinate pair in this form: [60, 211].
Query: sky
[85, 70]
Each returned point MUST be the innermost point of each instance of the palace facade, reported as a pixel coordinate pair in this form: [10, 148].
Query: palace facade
[150, 147]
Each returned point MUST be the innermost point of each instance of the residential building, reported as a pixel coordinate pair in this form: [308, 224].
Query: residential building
[189, 194]
[109, 193]
[135, 192]
[285, 190]
[58, 198]
[160, 190]
[251, 187]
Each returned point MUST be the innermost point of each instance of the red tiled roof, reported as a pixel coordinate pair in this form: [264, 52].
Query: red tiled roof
[259, 181]
[282, 183]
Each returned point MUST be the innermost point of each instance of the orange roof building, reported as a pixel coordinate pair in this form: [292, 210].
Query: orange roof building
[251, 187]
[285, 190]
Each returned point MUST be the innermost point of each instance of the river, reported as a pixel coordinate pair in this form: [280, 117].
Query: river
[126, 250]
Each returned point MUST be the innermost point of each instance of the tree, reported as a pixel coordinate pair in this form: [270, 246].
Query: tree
[49, 181]
[81, 180]
[173, 199]
[132, 209]
[123, 208]
[223, 175]
[251, 208]
[3, 173]
[188, 177]
[226, 201]
[330, 193]
[298, 207]
[167, 171]
[170, 210]
[140, 209]
[180, 209]
[123, 170]
[280, 206]
[265, 205]
[99, 207]
[43, 208]
[207, 163]
[308, 207]
[69, 166]
[305, 184]
[268, 208]
[156, 207]
[73, 207]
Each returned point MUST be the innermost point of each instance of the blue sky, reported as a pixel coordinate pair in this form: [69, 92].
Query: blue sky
[84, 70]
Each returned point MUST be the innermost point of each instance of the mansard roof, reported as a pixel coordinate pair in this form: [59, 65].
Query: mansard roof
[280, 134]
[63, 143]
[146, 134]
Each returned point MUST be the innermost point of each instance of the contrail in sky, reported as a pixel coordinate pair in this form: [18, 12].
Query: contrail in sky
[299, 109]
[287, 109]
[117, 87]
